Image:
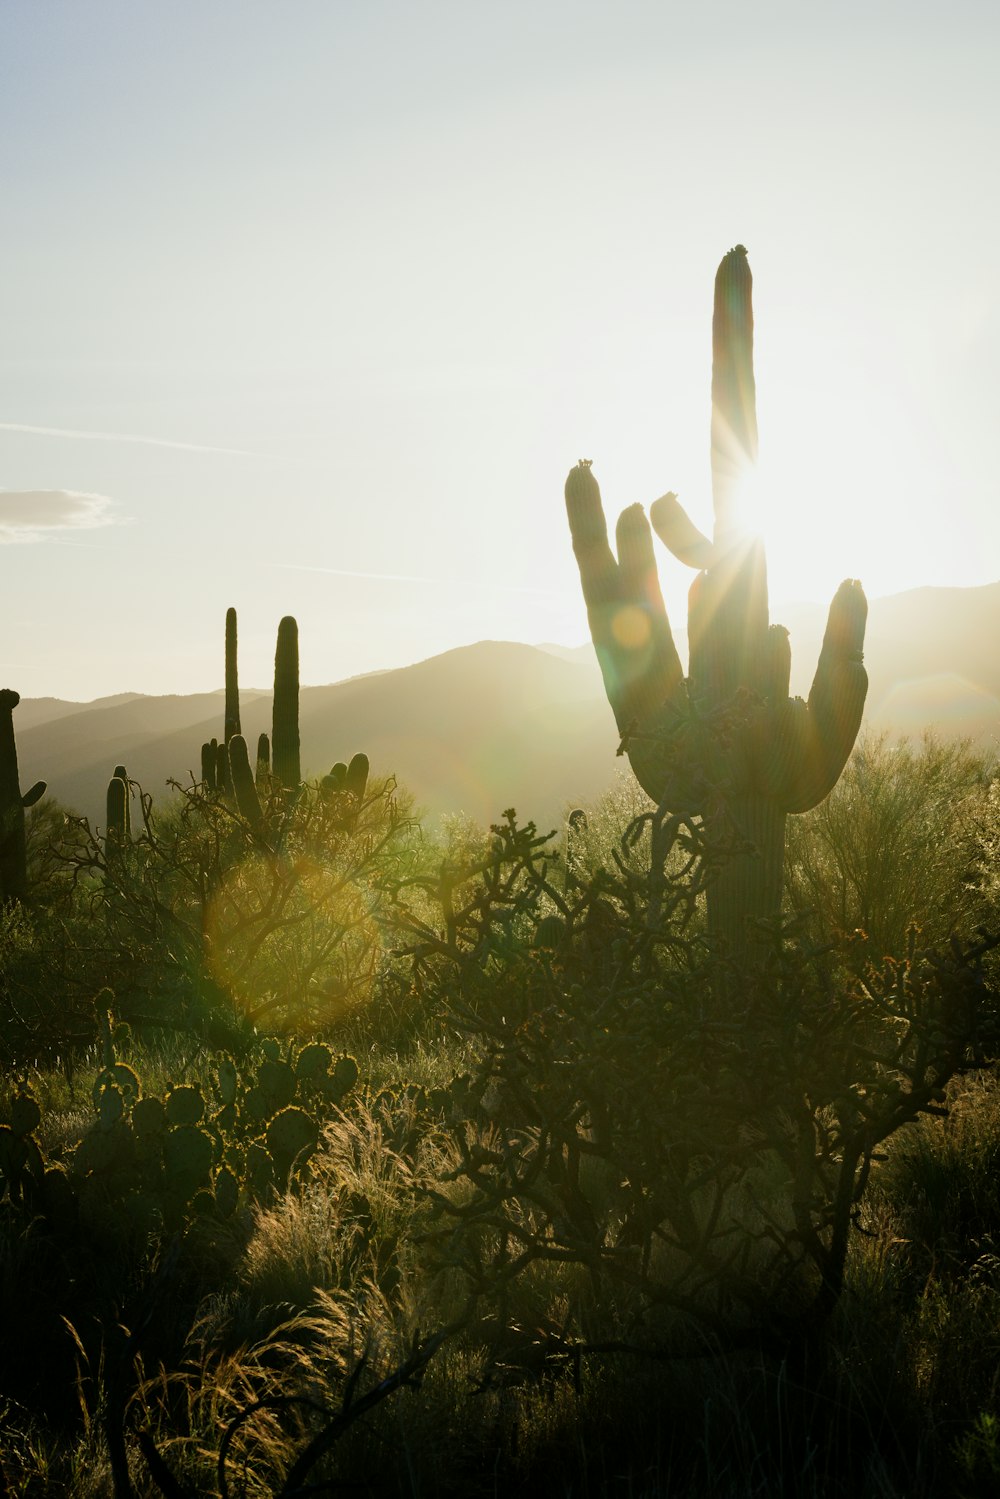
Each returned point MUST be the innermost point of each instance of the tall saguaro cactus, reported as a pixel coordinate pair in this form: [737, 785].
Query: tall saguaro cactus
[232, 720]
[13, 846]
[777, 755]
[285, 759]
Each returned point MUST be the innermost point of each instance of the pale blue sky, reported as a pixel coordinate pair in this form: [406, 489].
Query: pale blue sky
[374, 275]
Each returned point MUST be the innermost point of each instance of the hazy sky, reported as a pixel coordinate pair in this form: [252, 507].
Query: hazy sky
[308, 307]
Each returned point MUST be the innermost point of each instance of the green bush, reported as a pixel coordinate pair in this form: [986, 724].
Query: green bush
[894, 844]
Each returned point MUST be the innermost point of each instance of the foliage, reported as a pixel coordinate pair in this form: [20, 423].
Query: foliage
[694, 1136]
[212, 917]
[894, 844]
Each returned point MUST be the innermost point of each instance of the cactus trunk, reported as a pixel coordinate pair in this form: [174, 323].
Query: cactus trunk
[285, 714]
[13, 842]
[232, 719]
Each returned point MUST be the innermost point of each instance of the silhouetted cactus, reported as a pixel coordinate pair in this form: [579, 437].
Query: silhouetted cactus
[356, 780]
[222, 785]
[242, 780]
[209, 763]
[117, 823]
[232, 719]
[122, 775]
[285, 718]
[13, 847]
[263, 759]
[728, 743]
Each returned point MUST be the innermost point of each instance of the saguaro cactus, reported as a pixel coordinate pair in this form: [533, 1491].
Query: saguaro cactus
[232, 721]
[117, 824]
[13, 847]
[122, 775]
[774, 755]
[242, 780]
[263, 768]
[285, 759]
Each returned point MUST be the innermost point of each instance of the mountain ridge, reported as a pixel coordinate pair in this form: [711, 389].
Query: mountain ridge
[493, 724]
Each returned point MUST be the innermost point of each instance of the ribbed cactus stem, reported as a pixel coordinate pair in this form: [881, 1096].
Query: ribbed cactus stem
[122, 775]
[13, 844]
[263, 760]
[208, 759]
[232, 719]
[356, 779]
[222, 784]
[116, 829]
[244, 789]
[285, 749]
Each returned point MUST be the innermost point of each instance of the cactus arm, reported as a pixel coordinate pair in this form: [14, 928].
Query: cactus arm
[679, 533]
[356, 777]
[34, 795]
[242, 779]
[805, 745]
[628, 621]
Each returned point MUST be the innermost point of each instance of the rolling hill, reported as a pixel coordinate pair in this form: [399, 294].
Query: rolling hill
[499, 724]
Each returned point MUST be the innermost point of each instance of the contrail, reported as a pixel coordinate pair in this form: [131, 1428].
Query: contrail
[151, 442]
[341, 572]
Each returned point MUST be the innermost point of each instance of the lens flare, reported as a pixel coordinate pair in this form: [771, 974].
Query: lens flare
[631, 627]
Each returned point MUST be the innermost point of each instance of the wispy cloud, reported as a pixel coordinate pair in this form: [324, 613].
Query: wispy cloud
[341, 572]
[151, 442]
[35, 514]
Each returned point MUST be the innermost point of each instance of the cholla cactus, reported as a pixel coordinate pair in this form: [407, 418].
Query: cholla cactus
[777, 754]
[13, 848]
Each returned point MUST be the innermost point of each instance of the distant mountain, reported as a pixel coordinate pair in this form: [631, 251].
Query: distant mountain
[498, 724]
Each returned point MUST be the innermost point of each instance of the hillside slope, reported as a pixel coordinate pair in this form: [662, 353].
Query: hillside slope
[499, 724]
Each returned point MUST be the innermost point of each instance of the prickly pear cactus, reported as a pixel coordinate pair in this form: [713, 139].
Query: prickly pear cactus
[728, 742]
[13, 848]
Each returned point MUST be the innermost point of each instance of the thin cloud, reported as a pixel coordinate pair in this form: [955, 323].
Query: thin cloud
[151, 442]
[341, 572]
[36, 514]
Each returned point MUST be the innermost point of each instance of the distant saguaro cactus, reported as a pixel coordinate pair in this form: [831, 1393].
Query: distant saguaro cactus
[13, 847]
[209, 758]
[286, 762]
[117, 822]
[122, 775]
[263, 769]
[776, 754]
[232, 719]
[242, 781]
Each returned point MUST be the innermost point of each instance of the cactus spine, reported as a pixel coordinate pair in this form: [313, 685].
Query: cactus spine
[13, 845]
[285, 715]
[781, 755]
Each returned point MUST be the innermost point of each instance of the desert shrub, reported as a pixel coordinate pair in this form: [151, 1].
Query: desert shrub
[696, 1137]
[895, 843]
[206, 920]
